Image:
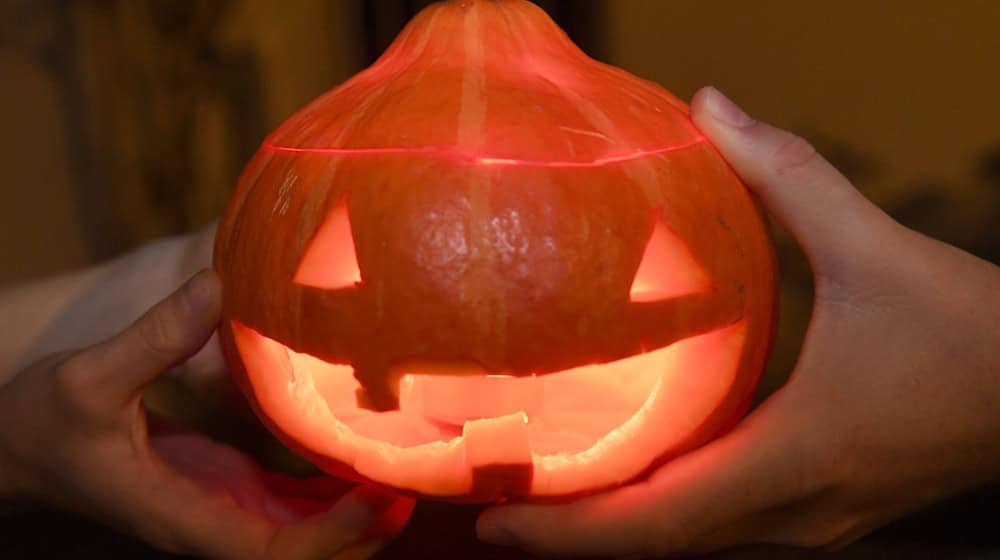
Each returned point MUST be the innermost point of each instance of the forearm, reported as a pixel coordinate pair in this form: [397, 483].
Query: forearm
[77, 309]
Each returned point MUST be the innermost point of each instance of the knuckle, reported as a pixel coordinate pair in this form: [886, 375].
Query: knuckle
[68, 371]
[793, 153]
[158, 333]
[71, 382]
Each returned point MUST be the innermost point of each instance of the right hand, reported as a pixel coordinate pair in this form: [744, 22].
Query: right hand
[894, 402]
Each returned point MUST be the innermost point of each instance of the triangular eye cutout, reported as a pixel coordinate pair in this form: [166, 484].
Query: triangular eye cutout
[330, 261]
[668, 269]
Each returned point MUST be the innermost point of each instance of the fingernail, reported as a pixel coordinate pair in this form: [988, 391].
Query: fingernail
[495, 534]
[201, 291]
[725, 111]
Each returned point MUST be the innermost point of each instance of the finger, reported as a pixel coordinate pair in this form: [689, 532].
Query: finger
[675, 510]
[817, 205]
[215, 502]
[176, 515]
[171, 331]
[205, 367]
[355, 525]
[220, 470]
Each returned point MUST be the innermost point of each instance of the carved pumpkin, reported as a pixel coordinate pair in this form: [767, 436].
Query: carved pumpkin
[491, 266]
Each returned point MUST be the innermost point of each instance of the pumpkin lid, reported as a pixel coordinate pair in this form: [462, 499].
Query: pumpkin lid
[491, 80]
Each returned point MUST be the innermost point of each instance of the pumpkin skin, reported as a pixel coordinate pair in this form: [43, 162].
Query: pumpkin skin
[491, 266]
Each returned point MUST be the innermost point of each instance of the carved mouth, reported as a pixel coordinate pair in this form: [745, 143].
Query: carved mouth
[573, 428]
[564, 412]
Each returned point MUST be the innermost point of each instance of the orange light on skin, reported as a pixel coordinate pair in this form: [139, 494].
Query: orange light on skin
[584, 428]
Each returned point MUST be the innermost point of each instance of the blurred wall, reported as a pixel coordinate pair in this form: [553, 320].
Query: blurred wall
[128, 120]
[912, 87]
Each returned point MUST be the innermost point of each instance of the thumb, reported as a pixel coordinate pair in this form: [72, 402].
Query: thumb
[170, 332]
[817, 205]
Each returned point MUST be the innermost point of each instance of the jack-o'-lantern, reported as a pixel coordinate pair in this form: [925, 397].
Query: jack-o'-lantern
[490, 266]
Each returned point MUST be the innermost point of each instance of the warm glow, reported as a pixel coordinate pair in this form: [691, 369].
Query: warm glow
[668, 269]
[330, 261]
[481, 206]
[581, 428]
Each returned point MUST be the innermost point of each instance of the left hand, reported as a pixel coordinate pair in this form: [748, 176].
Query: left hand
[75, 436]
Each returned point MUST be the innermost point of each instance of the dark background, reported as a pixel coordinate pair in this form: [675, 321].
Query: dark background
[130, 120]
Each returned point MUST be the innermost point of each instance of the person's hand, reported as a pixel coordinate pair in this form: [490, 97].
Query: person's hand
[74, 436]
[892, 404]
[80, 308]
[205, 371]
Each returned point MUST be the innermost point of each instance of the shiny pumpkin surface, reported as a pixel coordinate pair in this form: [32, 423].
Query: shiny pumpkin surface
[488, 216]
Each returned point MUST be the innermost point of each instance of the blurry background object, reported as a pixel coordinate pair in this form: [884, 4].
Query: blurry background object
[126, 120]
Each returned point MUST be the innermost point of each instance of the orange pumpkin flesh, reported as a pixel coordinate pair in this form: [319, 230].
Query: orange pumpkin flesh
[489, 265]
